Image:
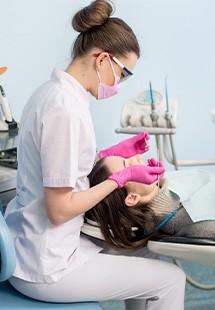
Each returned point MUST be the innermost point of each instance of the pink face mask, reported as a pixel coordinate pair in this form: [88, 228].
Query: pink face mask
[105, 91]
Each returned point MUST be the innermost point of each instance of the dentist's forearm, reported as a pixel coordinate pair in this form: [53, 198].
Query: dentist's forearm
[62, 204]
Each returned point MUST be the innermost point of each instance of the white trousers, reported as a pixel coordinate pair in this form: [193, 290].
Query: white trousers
[143, 282]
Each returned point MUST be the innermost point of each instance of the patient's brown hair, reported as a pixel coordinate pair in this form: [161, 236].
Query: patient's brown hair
[115, 219]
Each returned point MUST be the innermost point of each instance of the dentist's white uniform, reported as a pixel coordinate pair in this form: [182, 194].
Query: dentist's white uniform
[56, 263]
[52, 152]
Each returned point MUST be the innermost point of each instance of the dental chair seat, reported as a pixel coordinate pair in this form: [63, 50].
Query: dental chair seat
[12, 299]
[196, 250]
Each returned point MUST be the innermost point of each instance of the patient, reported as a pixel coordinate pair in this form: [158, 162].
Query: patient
[131, 215]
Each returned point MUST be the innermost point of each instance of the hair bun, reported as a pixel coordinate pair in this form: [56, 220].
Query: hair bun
[92, 15]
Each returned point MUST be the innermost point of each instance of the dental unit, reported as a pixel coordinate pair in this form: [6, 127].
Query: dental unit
[156, 114]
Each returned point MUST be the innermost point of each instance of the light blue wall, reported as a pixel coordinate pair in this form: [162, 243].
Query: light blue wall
[176, 38]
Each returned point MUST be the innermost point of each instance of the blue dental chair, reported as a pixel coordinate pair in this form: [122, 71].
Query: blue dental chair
[12, 299]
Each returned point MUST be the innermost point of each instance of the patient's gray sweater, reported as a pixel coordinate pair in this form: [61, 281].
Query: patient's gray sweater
[180, 224]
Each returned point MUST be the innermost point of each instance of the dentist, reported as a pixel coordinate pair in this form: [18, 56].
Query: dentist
[56, 152]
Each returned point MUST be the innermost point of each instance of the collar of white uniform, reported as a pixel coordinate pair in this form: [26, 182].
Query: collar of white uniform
[62, 75]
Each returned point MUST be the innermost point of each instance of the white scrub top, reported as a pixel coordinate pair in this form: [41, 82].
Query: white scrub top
[56, 149]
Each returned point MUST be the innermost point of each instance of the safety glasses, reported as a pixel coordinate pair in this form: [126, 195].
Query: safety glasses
[125, 72]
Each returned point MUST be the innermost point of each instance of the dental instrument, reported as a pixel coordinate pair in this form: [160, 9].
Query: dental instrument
[154, 115]
[168, 116]
[158, 159]
[151, 95]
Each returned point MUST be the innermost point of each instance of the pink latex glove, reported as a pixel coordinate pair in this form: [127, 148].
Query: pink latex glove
[137, 173]
[154, 163]
[129, 147]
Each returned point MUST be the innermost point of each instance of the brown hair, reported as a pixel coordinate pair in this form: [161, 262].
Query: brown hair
[99, 30]
[115, 219]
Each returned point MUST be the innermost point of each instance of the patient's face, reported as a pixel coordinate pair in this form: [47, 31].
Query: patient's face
[117, 163]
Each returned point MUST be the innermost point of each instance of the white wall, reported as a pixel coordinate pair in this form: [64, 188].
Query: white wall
[176, 38]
